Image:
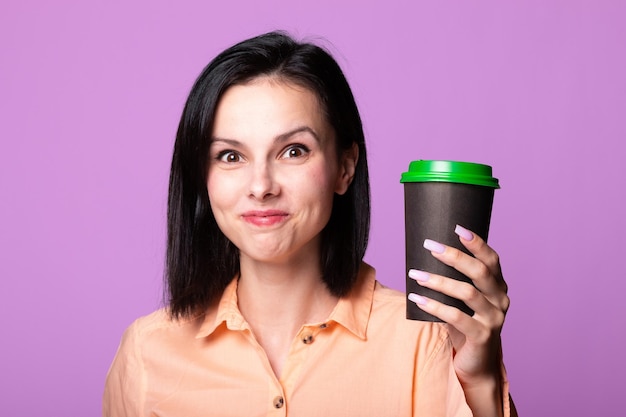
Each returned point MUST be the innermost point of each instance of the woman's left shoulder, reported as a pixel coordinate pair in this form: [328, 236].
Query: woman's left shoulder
[390, 305]
[387, 315]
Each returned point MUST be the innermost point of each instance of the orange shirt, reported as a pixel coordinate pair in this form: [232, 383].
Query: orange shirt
[366, 359]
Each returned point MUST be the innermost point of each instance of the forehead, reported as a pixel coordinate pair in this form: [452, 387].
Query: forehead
[267, 102]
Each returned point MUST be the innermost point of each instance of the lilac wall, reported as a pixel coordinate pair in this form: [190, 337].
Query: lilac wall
[90, 94]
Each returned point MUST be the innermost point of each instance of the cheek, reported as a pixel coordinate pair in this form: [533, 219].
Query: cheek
[320, 179]
[220, 190]
[212, 187]
[328, 177]
[321, 185]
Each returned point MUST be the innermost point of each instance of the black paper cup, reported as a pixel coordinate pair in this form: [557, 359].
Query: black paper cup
[438, 195]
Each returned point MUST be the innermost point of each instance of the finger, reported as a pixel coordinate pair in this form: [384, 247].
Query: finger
[460, 290]
[473, 268]
[481, 251]
[472, 329]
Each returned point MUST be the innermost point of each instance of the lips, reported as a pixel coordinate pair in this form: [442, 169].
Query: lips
[264, 217]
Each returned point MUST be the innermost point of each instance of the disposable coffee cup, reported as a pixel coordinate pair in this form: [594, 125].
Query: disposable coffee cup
[438, 195]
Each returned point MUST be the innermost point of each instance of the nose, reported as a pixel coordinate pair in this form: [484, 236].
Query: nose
[263, 184]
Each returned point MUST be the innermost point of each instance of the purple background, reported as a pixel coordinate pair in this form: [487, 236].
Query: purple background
[90, 95]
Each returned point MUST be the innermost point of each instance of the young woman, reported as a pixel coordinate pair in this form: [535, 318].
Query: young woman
[271, 310]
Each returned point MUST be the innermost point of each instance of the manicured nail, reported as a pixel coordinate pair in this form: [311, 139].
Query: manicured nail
[417, 299]
[463, 232]
[418, 275]
[431, 245]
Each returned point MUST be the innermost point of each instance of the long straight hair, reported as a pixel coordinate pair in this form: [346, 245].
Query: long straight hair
[201, 261]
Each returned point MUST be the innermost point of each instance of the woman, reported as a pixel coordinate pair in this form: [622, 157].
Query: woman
[271, 310]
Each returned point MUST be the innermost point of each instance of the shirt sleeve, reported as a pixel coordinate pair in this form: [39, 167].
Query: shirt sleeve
[432, 389]
[124, 388]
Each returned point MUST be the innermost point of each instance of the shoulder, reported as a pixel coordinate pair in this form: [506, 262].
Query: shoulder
[388, 316]
[386, 294]
[388, 305]
[389, 301]
[420, 345]
[159, 328]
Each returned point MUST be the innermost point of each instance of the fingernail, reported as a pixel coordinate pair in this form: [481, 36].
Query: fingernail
[463, 232]
[434, 246]
[419, 275]
[417, 299]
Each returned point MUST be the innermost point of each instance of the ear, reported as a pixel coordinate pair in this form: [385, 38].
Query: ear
[347, 168]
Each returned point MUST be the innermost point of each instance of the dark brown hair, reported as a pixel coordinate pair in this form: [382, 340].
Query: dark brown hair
[200, 260]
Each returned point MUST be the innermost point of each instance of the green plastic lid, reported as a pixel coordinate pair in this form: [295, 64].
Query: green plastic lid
[450, 171]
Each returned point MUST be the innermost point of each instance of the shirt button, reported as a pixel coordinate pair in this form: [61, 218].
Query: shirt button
[307, 339]
[279, 402]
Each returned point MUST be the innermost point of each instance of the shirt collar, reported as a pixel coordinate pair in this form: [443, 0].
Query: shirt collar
[352, 311]
[227, 312]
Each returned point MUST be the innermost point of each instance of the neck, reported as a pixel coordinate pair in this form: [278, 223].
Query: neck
[284, 296]
[278, 299]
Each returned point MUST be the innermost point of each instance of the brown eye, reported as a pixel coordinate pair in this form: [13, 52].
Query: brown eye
[295, 151]
[229, 157]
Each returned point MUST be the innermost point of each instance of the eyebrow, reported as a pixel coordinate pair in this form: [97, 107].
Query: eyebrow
[280, 138]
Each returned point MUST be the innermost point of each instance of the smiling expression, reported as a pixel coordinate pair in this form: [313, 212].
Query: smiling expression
[273, 170]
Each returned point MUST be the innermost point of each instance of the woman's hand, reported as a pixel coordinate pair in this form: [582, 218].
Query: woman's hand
[476, 340]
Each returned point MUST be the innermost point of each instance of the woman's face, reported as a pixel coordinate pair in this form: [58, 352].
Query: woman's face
[274, 169]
